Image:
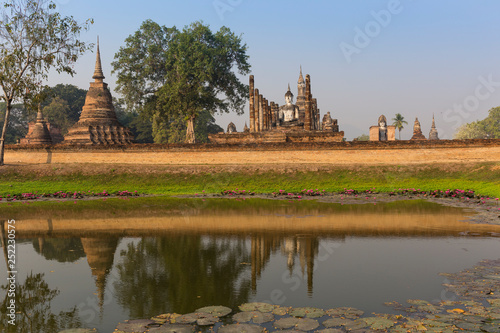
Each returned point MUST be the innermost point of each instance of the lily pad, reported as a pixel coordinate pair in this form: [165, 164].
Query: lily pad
[241, 328]
[379, 323]
[417, 302]
[216, 311]
[494, 302]
[280, 311]
[134, 326]
[490, 328]
[356, 325]
[257, 306]
[428, 308]
[173, 328]
[329, 330]
[256, 317]
[337, 322]
[345, 312]
[200, 318]
[307, 312]
[285, 323]
[79, 330]
[307, 324]
[301, 324]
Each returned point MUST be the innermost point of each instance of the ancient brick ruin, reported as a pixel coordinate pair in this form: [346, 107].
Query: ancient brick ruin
[270, 122]
[433, 133]
[417, 131]
[382, 132]
[41, 132]
[98, 124]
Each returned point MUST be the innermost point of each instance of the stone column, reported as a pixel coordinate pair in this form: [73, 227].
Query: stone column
[251, 100]
[265, 112]
[273, 114]
[261, 114]
[256, 110]
[315, 114]
[307, 118]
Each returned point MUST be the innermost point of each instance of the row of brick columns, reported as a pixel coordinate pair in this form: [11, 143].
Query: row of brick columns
[263, 114]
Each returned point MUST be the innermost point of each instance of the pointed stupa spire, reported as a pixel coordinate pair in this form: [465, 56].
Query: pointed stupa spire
[289, 92]
[98, 75]
[433, 122]
[301, 77]
[39, 116]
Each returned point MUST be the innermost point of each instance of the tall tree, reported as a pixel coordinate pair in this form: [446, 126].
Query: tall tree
[492, 123]
[34, 38]
[399, 121]
[173, 75]
[74, 97]
[474, 130]
[57, 113]
[18, 123]
[488, 128]
[200, 74]
[140, 64]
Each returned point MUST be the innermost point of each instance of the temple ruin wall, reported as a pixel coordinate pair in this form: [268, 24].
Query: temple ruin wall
[342, 153]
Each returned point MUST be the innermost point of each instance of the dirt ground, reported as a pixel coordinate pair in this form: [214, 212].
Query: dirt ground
[41, 170]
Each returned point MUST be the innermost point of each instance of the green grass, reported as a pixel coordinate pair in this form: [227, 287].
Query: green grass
[483, 178]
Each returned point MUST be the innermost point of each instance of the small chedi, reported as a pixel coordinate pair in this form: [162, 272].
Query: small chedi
[270, 122]
[433, 134]
[382, 132]
[417, 131]
[231, 128]
[41, 132]
[98, 124]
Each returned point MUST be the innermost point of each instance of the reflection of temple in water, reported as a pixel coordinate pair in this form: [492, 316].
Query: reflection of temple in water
[4, 243]
[100, 255]
[306, 247]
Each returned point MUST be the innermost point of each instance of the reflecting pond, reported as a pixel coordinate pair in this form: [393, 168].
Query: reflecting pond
[95, 264]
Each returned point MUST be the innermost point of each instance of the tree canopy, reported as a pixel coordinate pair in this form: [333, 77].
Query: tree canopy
[481, 129]
[173, 76]
[34, 38]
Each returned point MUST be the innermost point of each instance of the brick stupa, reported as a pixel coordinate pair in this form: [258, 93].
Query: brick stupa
[417, 131]
[41, 132]
[98, 124]
[433, 134]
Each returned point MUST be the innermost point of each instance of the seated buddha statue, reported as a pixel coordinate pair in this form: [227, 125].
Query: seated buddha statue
[289, 113]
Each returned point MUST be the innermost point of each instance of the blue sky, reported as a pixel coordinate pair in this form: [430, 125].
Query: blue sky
[365, 58]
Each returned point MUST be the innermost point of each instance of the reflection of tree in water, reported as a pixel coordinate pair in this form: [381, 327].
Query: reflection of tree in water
[33, 306]
[60, 249]
[181, 273]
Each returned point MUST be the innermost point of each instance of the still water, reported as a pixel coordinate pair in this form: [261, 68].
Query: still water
[105, 262]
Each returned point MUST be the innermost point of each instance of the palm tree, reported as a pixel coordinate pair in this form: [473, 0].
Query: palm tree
[399, 120]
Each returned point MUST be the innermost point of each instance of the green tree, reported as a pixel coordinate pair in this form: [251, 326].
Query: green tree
[474, 130]
[18, 123]
[34, 38]
[399, 121]
[363, 137]
[139, 124]
[74, 97]
[204, 125]
[481, 129]
[174, 75]
[57, 113]
[492, 123]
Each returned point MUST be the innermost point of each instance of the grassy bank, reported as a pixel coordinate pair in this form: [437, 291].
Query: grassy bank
[483, 178]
